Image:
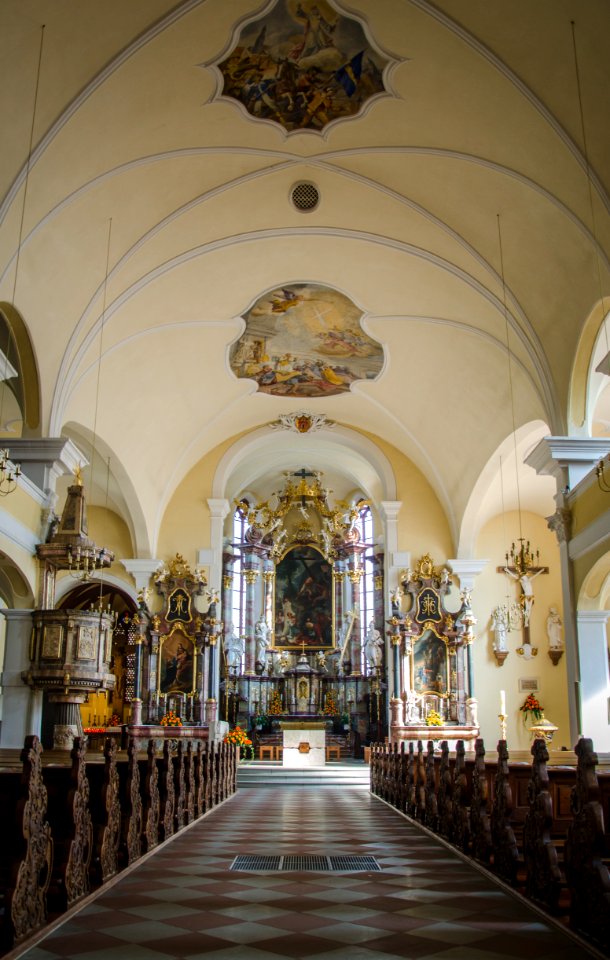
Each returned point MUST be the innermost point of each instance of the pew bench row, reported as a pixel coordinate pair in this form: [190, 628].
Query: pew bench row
[545, 830]
[70, 828]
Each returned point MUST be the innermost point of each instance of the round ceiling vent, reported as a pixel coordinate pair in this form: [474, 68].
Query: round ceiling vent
[305, 196]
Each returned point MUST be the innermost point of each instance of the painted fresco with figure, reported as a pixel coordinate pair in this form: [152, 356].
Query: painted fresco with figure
[176, 667]
[302, 65]
[430, 664]
[305, 340]
[303, 600]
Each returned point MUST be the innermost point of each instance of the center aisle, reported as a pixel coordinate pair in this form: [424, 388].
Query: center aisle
[184, 902]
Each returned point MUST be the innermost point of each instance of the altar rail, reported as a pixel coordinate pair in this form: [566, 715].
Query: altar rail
[71, 825]
[543, 829]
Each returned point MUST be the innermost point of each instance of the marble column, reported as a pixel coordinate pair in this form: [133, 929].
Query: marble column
[594, 677]
[22, 706]
[251, 574]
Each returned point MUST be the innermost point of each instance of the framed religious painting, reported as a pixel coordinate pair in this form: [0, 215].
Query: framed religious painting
[430, 664]
[176, 663]
[303, 603]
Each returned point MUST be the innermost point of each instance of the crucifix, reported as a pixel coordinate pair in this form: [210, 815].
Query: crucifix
[524, 569]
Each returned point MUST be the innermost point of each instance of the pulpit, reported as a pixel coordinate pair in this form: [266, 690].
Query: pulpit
[304, 743]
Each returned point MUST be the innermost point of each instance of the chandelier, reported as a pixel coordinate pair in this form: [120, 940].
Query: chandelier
[9, 473]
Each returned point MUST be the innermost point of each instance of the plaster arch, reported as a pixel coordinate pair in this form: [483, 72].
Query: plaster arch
[497, 489]
[253, 455]
[585, 382]
[16, 591]
[67, 584]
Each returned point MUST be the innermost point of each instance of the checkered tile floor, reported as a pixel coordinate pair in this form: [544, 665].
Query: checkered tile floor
[426, 903]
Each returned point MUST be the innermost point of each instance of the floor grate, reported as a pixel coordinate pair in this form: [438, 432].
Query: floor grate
[305, 861]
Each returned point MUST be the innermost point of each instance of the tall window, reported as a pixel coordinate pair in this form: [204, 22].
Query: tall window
[367, 583]
[238, 597]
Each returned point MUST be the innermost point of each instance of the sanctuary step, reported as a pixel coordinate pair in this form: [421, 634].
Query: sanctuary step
[253, 773]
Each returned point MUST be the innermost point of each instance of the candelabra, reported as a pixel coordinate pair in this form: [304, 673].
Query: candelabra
[523, 558]
[9, 474]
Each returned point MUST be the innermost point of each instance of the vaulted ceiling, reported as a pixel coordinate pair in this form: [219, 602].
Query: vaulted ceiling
[478, 141]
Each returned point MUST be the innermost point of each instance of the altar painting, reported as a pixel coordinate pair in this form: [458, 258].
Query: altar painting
[176, 663]
[430, 664]
[303, 600]
[305, 340]
[303, 65]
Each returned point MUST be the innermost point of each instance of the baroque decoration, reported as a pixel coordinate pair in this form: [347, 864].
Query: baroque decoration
[305, 340]
[303, 65]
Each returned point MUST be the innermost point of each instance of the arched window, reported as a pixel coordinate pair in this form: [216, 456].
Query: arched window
[367, 582]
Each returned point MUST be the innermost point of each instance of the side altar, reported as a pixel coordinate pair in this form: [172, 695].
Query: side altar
[304, 743]
[433, 697]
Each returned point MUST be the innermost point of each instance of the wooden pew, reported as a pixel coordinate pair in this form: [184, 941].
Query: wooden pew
[167, 793]
[587, 874]
[132, 810]
[151, 803]
[26, 854]
[543, 877]
[105, 814]
[69, 817]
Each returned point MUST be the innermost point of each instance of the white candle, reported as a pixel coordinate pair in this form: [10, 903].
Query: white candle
[502, 702]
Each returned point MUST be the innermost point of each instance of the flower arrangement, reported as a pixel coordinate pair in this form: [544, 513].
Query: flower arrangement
[330, 704]
[170, 719]
[240, 738]
[94, 730]
[260, 719]
[434, 719]
[275, 704]
[115, 720]
[531, 705]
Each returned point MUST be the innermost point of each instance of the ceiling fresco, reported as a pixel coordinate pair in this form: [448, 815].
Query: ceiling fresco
[305, 340]
[303, 65]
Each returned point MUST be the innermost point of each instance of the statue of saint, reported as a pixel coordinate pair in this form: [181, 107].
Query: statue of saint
[261, 634]
[499, 625]
[554, 625]
[234, 647]
[373, 646]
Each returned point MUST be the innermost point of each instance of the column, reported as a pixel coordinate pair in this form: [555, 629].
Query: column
[22, 707]
[251, 574]
[338, 581]
[568, 460]
[136, 703]
[467, 570]
[394, 562]
[213, 560]
[594, 677]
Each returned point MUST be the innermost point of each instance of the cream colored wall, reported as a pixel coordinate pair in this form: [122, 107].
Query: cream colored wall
[185, 527]
[491, 589]
[422, 524]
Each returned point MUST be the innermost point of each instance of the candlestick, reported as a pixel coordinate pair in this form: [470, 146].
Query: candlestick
[502, 702]
[502, 719]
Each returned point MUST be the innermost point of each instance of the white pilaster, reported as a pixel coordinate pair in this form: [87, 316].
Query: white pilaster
[467, 571]
[141, 570]
[594, 677]
[22, 707]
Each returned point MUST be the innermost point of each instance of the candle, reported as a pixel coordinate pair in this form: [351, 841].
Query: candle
[502, 702]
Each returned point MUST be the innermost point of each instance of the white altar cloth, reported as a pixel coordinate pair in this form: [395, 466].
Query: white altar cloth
[304, 744]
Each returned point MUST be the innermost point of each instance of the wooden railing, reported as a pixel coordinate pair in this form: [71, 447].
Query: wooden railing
[545, 830]
[68, 829]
